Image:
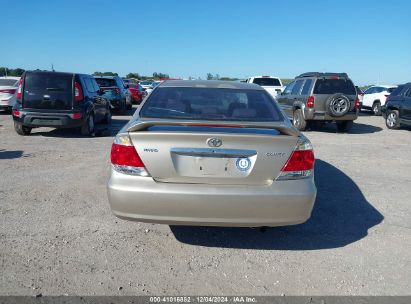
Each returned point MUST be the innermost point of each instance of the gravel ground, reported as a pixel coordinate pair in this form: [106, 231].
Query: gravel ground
[58, 236]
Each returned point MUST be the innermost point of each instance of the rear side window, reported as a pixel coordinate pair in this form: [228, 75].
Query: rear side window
[106, 82]
[297, 87]
[306, 87]
[48, 90]
[211, 104]
[333, 86]
[289, 88]
[267, 82]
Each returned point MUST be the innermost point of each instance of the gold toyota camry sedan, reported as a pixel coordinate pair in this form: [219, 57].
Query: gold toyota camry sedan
[211, 153]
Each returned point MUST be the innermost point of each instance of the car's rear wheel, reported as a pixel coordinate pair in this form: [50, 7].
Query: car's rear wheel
[88, 128]
[20, 129]
[376, 108]
[298, 120]
[345, 125]
[393, 120]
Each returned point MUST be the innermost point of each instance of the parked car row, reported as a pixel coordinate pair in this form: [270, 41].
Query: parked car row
[66, 100]
[59, 100]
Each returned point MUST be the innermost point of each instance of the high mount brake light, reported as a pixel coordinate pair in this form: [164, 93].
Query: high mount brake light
[124, 157]
[300, 164]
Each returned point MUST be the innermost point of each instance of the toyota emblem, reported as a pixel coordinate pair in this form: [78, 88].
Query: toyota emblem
[214, 142]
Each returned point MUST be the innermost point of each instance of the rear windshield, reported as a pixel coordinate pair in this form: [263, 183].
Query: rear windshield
[8, 82]
[267, 82]
[145, 82]
[106, 82]
[211, 104]
[332, 86]
[48, 91]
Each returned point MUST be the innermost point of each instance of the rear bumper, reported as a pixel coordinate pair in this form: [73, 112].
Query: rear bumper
[311, 114]
[143, 199]
[54, 120]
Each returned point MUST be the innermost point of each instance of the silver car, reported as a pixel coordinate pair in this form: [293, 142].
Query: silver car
[211, 153]
[8, 88]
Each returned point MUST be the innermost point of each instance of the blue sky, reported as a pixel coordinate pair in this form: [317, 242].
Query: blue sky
[370, 40]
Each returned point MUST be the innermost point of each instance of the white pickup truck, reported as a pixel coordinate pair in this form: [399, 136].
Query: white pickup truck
[272, 85]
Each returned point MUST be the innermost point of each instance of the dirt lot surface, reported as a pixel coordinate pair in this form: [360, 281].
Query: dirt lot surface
[58, 235]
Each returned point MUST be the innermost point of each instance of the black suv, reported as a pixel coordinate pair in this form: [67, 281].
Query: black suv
[321, 97]
[59, 100]
[116, 91]
[397, 109]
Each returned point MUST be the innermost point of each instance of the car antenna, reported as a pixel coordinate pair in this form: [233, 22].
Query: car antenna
[5, 69]
[52, 67]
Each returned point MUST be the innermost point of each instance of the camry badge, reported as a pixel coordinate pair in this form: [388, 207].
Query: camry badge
[214, 142]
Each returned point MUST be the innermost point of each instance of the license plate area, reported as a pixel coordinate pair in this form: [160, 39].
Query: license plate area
[217, 164]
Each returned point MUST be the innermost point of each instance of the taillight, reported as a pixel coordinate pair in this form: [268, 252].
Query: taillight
[300, 164]
[76, 115]
[386, 95]
[125, 158]
[310, 101]
[78, 92]
[8, 91]
[19, 89]
[357, 103]
[16, 113]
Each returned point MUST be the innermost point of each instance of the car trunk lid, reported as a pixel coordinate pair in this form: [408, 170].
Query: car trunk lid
[192, 153]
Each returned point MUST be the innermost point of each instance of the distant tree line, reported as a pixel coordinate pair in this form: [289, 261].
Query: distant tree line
[217, 77]
[155, 76]
[11, 72]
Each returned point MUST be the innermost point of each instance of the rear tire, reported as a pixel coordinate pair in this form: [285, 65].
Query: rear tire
[20, 129]
[345, 125]
[88, 128]
[298, 120]
[376, 108]
[393, 119]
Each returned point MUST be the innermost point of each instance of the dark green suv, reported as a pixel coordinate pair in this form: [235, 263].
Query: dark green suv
[321, 97]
